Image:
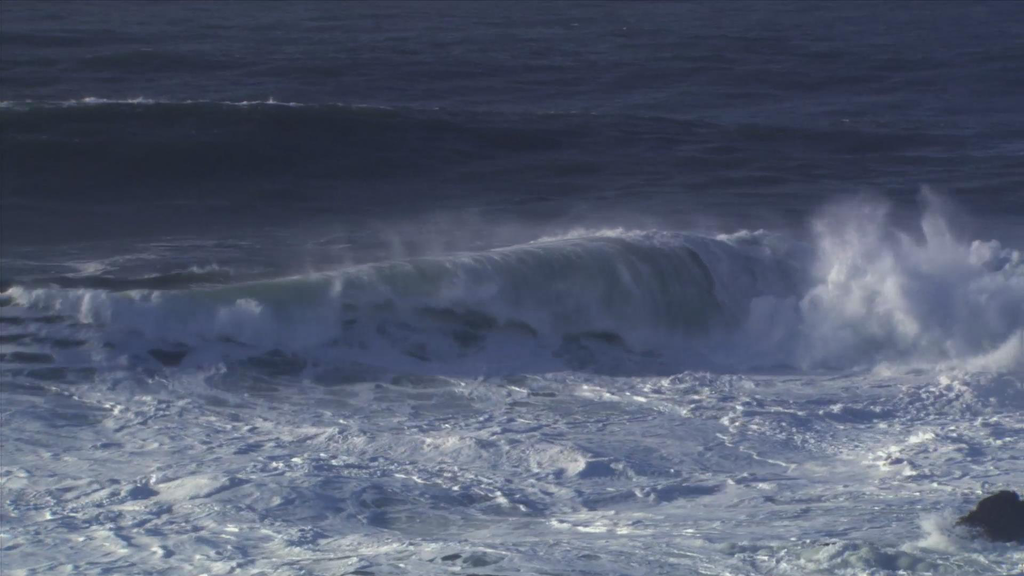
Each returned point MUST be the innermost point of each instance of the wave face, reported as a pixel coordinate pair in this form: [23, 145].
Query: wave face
[863, 293]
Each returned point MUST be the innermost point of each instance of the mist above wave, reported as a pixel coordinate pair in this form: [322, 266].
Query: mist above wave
[881, 294]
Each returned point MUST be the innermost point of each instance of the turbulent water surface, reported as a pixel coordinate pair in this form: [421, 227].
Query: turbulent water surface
[496, 288]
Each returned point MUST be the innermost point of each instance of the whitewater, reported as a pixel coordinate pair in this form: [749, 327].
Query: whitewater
[855, 390]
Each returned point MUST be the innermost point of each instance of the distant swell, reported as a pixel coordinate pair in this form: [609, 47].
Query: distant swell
[145, 150]
[120, 150]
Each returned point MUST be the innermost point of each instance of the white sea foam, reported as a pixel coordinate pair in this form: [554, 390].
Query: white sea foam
[147, 101]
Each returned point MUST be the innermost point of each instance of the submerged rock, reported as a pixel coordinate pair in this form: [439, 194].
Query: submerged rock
[1000, 517]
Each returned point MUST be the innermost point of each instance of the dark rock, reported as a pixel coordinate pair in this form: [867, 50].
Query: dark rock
[1000, 517]
[140, 492]
[451, 557]
[168, 357]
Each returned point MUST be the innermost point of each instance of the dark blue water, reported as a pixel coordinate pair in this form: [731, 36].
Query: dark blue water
[131, 120]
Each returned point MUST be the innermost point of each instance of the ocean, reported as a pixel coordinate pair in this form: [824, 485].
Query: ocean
[566, 288]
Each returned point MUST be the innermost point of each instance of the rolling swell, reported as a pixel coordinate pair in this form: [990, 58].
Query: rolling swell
[203, 151]
[121, 150]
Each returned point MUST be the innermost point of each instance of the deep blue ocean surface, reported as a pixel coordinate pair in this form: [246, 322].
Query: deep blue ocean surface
[754, 111]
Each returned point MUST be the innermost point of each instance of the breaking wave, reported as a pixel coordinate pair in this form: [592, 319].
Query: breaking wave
[861, 293]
